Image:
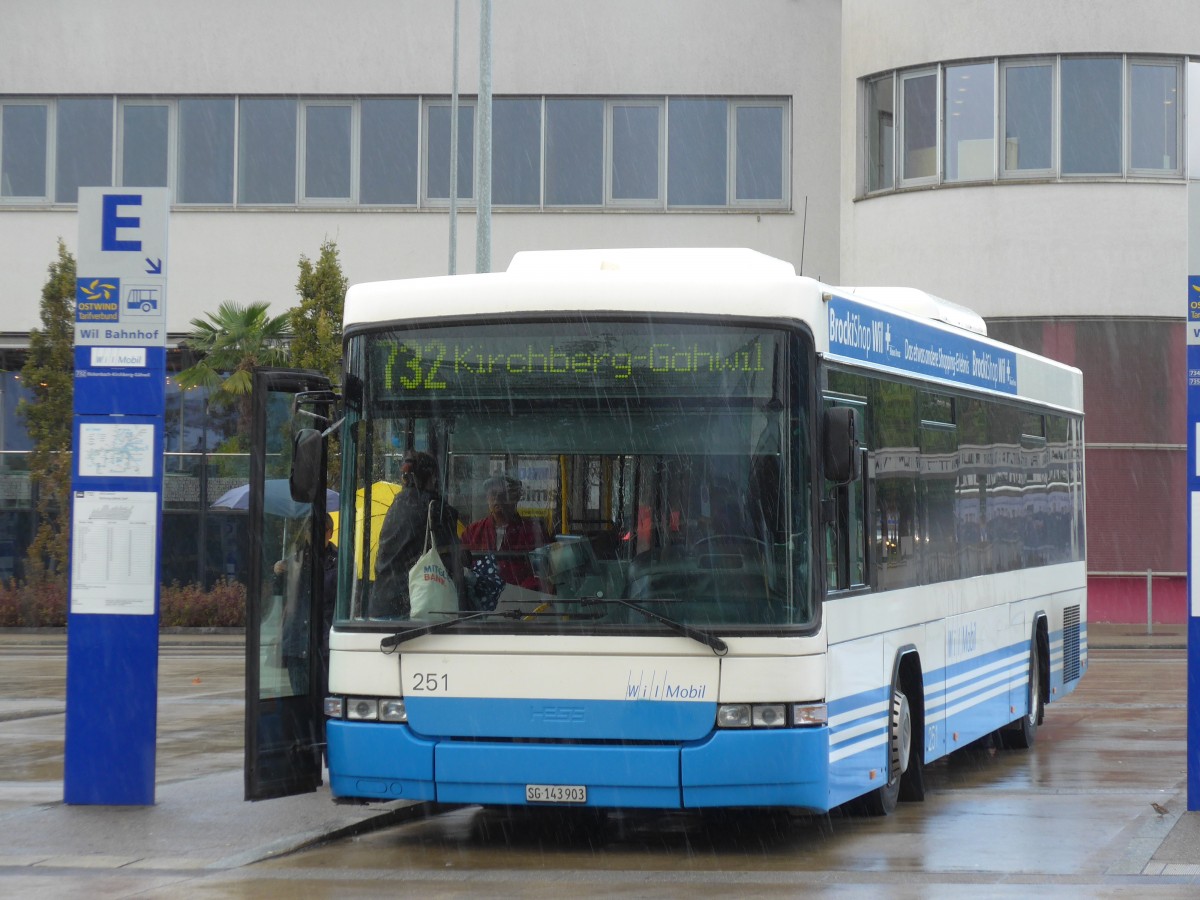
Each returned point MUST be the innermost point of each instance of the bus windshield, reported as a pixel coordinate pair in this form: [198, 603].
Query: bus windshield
[576, 462]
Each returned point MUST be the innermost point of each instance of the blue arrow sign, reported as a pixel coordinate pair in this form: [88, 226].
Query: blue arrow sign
[153, 267]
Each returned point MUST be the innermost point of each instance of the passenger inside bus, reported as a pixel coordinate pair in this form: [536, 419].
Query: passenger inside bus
[402, 536]
[507, 534]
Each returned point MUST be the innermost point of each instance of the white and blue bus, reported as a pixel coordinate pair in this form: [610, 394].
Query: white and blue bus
[795, 541]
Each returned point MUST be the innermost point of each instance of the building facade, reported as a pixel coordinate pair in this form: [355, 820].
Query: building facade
[1030, 163]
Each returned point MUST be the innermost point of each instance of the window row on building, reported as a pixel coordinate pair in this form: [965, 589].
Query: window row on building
[1052, 117]
[649, 152]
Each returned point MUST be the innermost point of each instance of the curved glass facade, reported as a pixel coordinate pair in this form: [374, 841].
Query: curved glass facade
[1060, 117]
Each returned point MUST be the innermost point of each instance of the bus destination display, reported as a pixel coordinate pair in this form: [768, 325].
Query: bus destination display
[544, 360]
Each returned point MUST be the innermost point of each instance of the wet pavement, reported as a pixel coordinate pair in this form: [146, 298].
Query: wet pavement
[200, 825]
[199, 819]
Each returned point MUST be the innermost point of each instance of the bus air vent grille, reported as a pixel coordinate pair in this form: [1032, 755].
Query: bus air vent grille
[1070, 643]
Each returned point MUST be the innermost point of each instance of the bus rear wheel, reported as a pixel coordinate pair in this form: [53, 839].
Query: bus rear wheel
[1021, 734]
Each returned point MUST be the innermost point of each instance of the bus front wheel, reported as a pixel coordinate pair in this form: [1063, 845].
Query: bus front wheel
[882, 800]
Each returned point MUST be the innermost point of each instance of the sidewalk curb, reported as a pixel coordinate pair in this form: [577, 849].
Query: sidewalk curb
[298, 842]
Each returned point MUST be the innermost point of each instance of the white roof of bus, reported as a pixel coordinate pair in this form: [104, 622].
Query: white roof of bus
[582, 280]
[712, 262]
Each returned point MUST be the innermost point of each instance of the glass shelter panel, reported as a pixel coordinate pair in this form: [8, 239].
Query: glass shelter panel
[589, 466]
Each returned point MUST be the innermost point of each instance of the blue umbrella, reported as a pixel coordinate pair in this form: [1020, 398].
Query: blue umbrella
[277, 499]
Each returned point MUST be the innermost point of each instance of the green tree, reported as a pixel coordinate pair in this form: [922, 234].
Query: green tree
[48, 375]
[317, 321]
[230, 344]
[317, 327]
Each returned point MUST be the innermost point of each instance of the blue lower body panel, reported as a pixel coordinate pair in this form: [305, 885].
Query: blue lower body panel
[768, 767]
[784, 767]
[379, 761]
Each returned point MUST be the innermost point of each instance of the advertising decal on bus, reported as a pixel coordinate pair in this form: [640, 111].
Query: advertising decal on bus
[870, 335]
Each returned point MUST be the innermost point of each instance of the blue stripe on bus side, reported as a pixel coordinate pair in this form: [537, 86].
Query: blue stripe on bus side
[968, 699]
[858, 726]
[972, 697]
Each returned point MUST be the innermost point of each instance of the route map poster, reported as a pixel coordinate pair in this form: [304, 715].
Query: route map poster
[116, 451]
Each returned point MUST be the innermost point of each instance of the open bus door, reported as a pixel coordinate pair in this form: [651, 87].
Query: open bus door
[285, 678]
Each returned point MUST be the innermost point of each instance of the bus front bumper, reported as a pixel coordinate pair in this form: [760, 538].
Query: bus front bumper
[745, 767]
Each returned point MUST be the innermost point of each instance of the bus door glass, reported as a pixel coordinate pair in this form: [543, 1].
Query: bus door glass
[285, 679]
[846, 524]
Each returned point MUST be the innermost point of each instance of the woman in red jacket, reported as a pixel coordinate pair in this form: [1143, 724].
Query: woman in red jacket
[506, 533]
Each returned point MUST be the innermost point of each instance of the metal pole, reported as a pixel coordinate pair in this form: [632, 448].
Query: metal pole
[453, 263]
[1149, 601]
[483, 128]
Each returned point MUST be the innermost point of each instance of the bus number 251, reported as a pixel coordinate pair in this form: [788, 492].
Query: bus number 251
[429, 682]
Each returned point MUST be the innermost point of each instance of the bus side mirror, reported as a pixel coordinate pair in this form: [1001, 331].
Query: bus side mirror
[305, 480]
[841, 444]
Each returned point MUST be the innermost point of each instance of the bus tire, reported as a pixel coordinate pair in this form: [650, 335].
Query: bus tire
[1021, 734]
[912, 781]
[882, 801]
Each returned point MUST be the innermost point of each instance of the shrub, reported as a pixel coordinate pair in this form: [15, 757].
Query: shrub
[38, 604]
[43, 604]
[190, 606]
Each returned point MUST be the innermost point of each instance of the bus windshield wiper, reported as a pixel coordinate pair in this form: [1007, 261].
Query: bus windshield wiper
[718, 646]
[390, 643]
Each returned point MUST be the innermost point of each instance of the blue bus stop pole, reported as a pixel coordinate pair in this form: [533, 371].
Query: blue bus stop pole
[1192, 325]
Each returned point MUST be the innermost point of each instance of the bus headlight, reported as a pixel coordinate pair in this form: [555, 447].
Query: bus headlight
[335, 707]
[735, 715]
[772, 715]
[362, 708]
[392, 710]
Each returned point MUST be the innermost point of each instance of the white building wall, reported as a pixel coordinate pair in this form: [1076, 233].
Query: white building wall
[403, 47]
[1084, 248]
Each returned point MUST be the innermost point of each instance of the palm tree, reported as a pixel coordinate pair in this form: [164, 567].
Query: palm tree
[231, 343]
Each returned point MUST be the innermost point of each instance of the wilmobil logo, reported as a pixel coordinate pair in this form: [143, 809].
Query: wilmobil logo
[653, 685]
